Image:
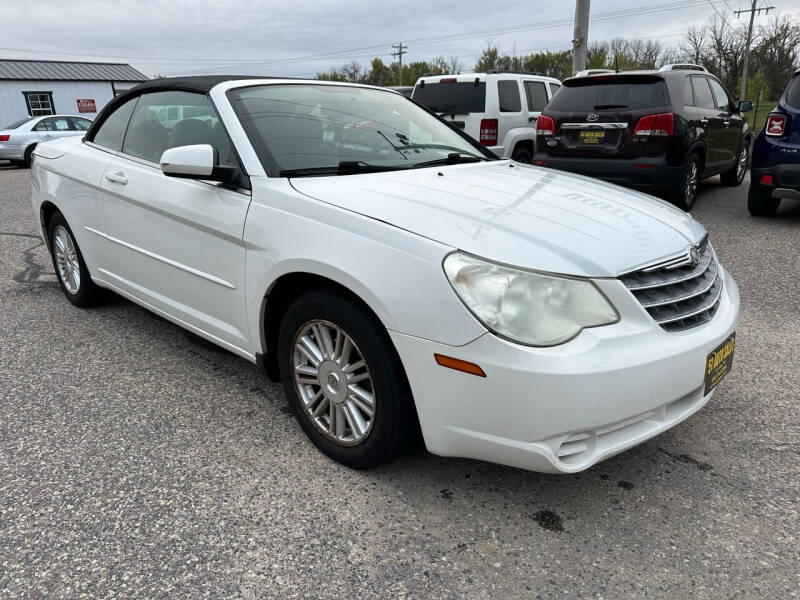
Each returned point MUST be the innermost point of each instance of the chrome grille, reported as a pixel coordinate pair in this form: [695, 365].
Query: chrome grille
[679, 293]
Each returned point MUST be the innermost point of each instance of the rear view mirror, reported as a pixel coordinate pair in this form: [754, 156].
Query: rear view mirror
[745, 105]
[198, 161]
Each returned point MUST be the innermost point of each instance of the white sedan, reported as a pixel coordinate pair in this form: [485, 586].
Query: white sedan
[18, 139]
[391, 272]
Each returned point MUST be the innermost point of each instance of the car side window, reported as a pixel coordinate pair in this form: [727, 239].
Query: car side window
[688, 95]
[554, 87]
[112, 131]
[721, 96]
[165, 120]
[42, 125]
[536, 95]
[702, 93]
[78, 124]
[508, 95]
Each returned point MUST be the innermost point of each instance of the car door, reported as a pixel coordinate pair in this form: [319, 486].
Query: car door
[730, 136]
[512, 114]
[178, 242]
[82, 197]
[711, 121]
[536, 99]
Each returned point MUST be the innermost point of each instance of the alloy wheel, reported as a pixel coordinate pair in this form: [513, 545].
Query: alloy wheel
[690, 189]
[742, 166]
[69, 269]
[333, 382]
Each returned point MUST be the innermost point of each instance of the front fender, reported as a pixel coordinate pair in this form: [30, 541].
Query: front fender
[398, 274]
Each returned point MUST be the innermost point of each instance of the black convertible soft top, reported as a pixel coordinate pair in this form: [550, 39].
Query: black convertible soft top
[200, 83]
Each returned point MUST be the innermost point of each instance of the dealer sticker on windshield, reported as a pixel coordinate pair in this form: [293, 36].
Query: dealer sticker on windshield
[719, 362]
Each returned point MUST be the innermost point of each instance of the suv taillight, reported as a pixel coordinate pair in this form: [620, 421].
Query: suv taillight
[545, 125]
[488, 136]
[776, 125]
[660, 124]
[5, 137]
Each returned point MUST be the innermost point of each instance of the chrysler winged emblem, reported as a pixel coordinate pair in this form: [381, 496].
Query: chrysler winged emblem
[592, 117]
[694, 256]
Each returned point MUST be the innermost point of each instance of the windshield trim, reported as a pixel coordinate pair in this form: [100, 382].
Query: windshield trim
[273, 170]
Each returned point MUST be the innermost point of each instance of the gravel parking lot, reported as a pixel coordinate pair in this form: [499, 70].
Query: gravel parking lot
[139, 461]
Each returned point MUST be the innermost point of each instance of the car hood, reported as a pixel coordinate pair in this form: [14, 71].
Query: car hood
[518, 215]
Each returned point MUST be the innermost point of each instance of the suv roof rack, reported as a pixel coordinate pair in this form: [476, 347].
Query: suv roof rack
[683, 67]
[514, 72]
[587, 72]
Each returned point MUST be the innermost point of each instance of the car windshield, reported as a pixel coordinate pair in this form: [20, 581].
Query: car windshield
[314, 128]
[19, 123]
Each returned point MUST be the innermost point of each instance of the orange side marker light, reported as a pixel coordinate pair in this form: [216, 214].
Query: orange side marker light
[459, 365]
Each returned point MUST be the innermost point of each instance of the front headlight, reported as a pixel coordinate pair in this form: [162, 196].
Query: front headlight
[526, 307]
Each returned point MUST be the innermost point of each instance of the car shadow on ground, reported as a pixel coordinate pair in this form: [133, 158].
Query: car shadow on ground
[7, 166]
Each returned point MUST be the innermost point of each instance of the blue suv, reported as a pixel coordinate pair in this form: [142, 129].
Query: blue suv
[775, 173]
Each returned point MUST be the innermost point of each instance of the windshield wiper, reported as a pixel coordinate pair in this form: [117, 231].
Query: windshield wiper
[451, 159]
[345, 167]
[605, 106]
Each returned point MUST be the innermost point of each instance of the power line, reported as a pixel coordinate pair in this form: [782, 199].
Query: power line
[609, 15]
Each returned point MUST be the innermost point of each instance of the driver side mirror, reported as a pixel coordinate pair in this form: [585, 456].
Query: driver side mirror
[745, 105]
[198, 161]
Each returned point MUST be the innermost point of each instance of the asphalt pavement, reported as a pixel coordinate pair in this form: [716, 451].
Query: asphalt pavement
[138, 461]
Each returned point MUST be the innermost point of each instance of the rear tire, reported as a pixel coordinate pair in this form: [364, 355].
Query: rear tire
[760, 202]
[522, 155]
[685, 194]
[321, 395]
[26, 162]
[735, 175]
[71, 271]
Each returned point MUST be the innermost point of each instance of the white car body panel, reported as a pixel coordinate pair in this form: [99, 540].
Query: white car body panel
[207, 257]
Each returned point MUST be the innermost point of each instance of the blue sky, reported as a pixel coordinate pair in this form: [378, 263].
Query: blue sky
[300, 38]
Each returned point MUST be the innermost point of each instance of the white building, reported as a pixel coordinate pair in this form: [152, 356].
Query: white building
[46, 87]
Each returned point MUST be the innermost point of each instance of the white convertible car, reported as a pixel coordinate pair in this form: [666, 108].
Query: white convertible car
[390, 271]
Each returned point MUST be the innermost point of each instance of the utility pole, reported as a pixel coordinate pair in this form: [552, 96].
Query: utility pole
[580, 35]
[401, 49]
[752, 12]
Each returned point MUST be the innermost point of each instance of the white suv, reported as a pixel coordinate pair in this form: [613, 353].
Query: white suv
[498, 108]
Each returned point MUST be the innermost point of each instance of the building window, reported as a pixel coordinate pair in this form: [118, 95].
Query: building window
[39, 103]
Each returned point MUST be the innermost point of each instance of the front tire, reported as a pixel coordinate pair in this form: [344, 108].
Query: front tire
[71, 271]
[735, 175]
[685, 194]
[344, 380]
[760, 202]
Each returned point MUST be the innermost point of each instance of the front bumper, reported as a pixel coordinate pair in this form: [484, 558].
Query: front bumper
[563, 409]
[644, 174]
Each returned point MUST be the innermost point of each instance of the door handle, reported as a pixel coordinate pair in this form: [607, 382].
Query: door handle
[117, 178]
[726, 123]
[532, 119]
[704, 122]
[47, 135]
